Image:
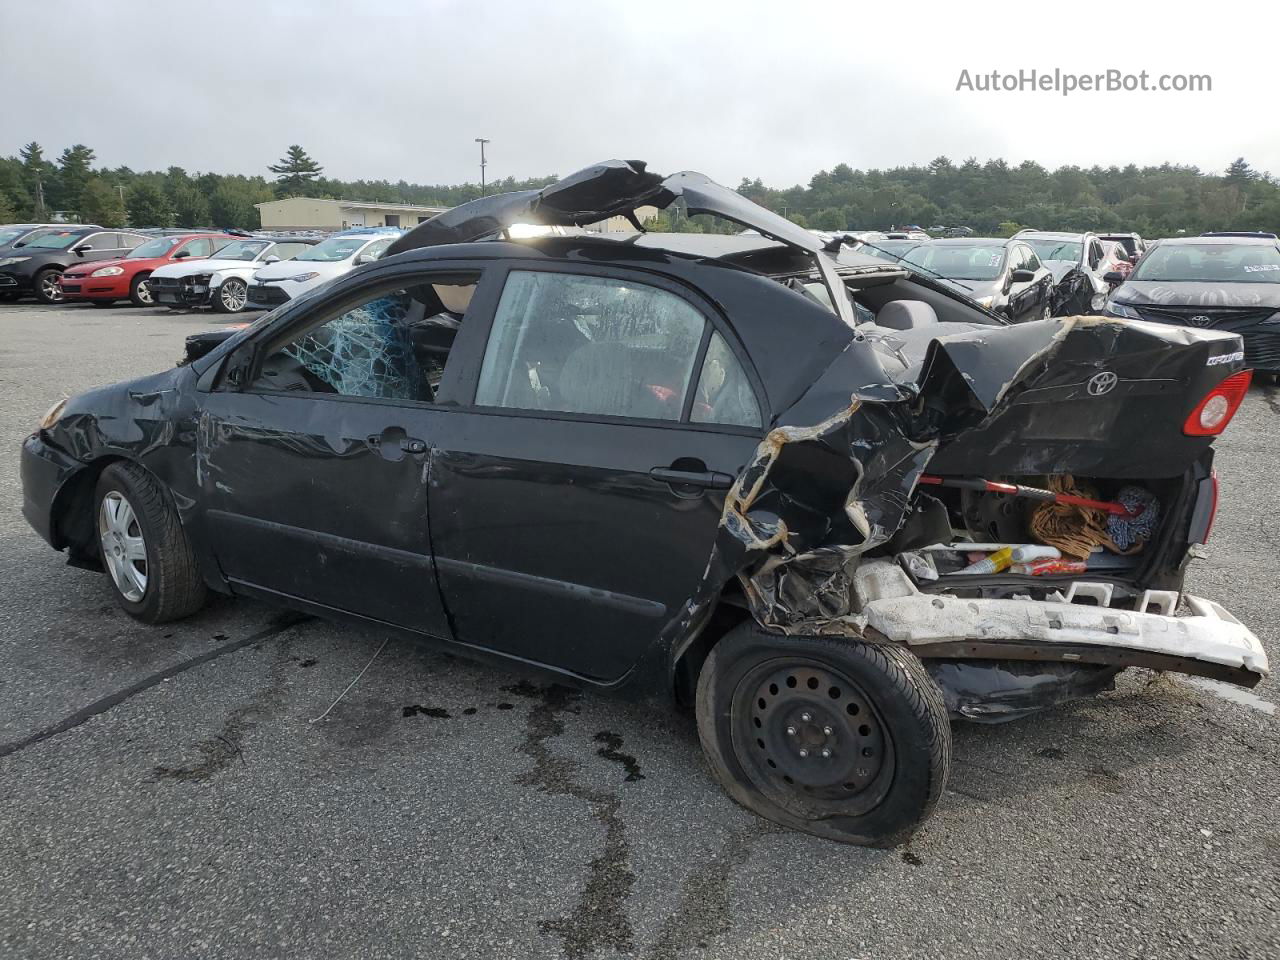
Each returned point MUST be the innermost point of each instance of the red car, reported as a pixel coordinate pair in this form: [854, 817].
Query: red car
[104, 282]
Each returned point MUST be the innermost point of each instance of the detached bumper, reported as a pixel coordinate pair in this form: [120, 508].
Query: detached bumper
[1210, 642]
[44, 470]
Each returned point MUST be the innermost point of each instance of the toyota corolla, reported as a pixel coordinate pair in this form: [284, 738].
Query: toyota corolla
[823, 500]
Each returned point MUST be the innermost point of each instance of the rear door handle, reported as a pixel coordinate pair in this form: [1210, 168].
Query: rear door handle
[707, 479]
[410, 445]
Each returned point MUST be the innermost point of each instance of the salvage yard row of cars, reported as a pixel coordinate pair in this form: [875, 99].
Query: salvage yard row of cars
[828, 502]
[228, 272]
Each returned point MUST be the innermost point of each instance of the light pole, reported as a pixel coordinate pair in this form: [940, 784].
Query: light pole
[482, 141]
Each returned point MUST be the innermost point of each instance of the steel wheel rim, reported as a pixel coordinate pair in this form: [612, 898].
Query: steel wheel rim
[234, 295]
[144, 291]
[124, 549]
[783, 753]
[50, 287]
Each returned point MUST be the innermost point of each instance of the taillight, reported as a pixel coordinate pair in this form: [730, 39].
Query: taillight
[1214, 412]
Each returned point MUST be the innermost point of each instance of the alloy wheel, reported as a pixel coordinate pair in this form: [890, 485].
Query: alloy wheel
[51, 287]
[144, 292]
[234, 295]
[124, 550]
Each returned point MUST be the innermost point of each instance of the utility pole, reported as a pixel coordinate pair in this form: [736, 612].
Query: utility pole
[482, 141]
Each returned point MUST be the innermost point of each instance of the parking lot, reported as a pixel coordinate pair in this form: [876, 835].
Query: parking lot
[169, 792]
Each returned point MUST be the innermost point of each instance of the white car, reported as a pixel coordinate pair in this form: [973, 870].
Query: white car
[222, 281]
[279, 283]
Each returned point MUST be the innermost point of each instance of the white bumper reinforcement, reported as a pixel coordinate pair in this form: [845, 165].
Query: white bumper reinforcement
[894, 607]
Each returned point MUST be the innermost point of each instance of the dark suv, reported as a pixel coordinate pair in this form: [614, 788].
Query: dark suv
[1005, 276]
[36, 266]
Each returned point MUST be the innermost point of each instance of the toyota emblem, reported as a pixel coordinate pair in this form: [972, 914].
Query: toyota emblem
[1102, 383]
[1200, 320]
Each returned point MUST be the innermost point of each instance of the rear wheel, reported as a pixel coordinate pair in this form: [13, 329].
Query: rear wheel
[144, 548]
[140, 291]
[232, 296]
[46, 284]
[838, 738]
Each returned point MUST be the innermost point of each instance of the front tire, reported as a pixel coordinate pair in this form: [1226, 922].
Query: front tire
[140, 291]
[842, 739]
[46, 285]
[232, 296]
[143, 547]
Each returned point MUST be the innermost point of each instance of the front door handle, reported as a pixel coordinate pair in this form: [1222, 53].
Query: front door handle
[411, 445]
[707, 479]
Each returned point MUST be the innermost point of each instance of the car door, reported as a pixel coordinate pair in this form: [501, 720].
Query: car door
[575, 500]
[313, 452]
[195, 249]
[1041, 293]
[100, 246]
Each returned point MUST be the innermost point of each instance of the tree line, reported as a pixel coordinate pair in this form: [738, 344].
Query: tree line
[990, 198]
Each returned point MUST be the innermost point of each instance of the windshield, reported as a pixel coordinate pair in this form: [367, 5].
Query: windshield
[334, 249]
[891, 250]
[240, 250]
[54, 240]
[10, 234]
[159, 247]
[1068, 250]
[1211, 263]
[976, 261]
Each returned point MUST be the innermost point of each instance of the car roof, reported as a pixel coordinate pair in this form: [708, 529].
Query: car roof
[969, 241]
[1050, 235]
[1230, 241]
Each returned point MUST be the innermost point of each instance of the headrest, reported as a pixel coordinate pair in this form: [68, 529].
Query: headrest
[906, 315]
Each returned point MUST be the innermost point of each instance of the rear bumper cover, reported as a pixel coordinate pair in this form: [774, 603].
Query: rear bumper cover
[1208, 642]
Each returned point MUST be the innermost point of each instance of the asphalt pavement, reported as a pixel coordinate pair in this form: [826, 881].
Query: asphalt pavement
[168, 792]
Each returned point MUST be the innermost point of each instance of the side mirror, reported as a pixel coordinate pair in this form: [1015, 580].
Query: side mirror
[182, 254]
[1115, 276]
[81, 250]
[1022, 276]
[365, 258]
[1134, 257]
[271, 259]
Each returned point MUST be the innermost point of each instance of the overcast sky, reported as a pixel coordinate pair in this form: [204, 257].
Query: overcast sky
[400, 90]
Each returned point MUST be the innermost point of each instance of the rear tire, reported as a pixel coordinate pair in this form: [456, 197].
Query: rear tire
[140, 291]
[46, 286]
[232, 296]
[143, 547]
[838, 738]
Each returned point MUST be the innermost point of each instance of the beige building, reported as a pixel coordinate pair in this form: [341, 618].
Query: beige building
[308, 213]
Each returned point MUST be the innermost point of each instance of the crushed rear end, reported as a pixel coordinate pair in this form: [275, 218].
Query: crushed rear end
[883, 521]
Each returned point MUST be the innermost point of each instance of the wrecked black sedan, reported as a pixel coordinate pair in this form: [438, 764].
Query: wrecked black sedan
[825, 500]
